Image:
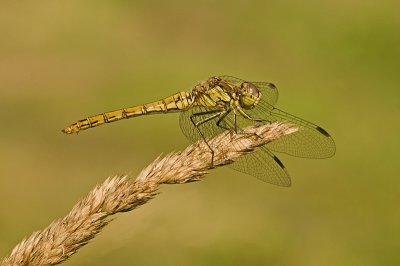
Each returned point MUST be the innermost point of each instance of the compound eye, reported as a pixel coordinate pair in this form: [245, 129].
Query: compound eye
[252, 89]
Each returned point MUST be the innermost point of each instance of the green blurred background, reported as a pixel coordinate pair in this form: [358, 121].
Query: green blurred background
[336, 63]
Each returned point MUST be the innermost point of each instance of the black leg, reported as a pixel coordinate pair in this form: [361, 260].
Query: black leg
[215, 113]
[234, 123]
[222, 118]
[205, 113]
[240, 110]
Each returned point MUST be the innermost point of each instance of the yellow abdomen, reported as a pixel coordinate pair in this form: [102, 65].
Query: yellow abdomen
[173, 103]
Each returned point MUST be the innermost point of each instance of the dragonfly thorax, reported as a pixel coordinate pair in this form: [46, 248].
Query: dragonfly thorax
[249, 96]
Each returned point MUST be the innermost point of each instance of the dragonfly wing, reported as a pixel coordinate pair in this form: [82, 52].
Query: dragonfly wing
[263, 165]
[232, 80]
[310, 141]
[269, 92]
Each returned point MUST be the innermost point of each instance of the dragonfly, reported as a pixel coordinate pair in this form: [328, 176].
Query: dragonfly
[227, 103]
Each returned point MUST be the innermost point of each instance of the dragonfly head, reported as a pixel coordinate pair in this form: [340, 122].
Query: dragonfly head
[249, 96]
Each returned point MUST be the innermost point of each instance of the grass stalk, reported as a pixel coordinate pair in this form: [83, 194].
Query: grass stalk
[65, 236]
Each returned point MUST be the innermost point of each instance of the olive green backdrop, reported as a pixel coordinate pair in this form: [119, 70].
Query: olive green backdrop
[336, 63]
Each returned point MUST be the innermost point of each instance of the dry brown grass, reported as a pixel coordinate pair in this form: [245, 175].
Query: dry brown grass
[64, 236]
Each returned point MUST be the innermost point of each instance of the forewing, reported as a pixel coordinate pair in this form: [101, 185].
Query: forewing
[310, 141]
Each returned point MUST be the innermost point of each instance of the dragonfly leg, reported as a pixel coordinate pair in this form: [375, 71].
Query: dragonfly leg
[240, 110]
[224, 114]
[235, 127]
[234, 122]
[215, 113]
